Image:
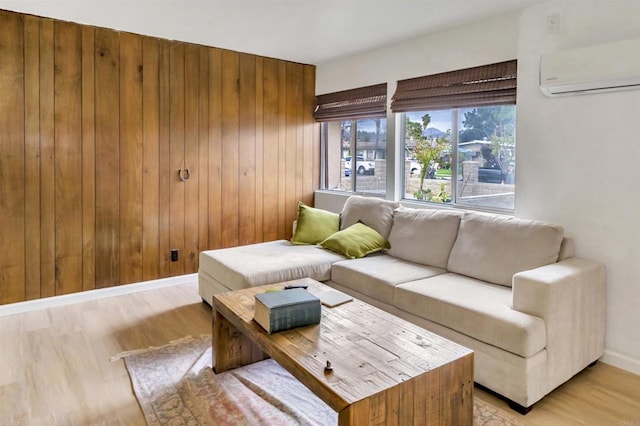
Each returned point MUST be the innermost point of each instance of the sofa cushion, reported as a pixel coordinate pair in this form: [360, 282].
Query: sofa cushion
[356, 241]
[474, 308]
[424, 236]
[374, 212]
[267, 263]
[314, 225]
[377, 275]
[494, 248]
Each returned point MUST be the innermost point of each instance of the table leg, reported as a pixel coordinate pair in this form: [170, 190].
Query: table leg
[231, 348]
[442, 396]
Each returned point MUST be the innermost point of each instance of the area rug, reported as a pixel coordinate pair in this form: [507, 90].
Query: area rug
[175, 385]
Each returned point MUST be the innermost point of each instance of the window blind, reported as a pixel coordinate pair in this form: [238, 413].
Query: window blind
[363, 102]
[493, 84]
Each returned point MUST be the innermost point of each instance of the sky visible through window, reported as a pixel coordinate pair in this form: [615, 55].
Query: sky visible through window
[440, 120]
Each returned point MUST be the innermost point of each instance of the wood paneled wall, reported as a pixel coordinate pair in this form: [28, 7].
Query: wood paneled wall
[94, 126]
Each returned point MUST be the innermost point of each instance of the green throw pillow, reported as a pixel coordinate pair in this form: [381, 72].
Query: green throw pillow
[356, 241]
[314, 225]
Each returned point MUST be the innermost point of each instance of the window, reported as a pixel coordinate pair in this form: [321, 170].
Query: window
[363, 140]
[353, 132]
[459, 136]
[464, 156]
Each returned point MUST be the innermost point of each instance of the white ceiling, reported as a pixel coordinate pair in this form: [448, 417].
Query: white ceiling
[306, 31]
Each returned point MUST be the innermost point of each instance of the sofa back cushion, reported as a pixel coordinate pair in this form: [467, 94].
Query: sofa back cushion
[567, 248]
[493, 248]
[374, 212]
[424, 236]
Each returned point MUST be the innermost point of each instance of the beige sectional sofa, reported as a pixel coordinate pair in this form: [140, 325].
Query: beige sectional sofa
[509, 289]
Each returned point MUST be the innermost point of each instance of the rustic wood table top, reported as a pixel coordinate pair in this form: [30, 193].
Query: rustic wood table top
[372, 353]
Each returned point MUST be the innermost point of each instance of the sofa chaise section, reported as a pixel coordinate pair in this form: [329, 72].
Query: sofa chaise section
[263, 263]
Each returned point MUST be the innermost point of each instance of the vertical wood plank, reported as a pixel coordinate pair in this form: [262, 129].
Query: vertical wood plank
[271, 149]
[405, 407]
[299, 126]
[68, 156]
[176, 152]
[356, 414]
[378, 409]
[164, 159]
[191, 145]
[259, 131]
[293, 161]
[247, 150]
[88, 160]
[215, 149]
[311, 170]
[203, 150]
[464, 402]
[32, 155]
[427, 398]
[233, 349]
[107, 149]
[316, 157]
[12, 145]
[282, 150]
[150, 158]
[131, 71]
[230, 101]
[392, 402]
[47, 165]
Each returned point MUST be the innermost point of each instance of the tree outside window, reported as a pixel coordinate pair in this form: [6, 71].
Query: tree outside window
[427, 152]
[484, 143]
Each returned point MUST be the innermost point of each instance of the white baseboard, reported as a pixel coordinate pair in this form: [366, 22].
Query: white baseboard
[101, 293]
[624, 362]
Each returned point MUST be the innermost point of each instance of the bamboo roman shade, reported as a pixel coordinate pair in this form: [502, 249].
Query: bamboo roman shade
[493, 84]
[364, 102]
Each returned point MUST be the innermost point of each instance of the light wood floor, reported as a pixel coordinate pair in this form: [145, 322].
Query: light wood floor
[55, 365]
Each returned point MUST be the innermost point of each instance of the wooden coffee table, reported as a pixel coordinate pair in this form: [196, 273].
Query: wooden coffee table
[385, 369]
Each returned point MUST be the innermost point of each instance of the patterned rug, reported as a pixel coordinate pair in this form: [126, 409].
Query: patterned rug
[175, 385]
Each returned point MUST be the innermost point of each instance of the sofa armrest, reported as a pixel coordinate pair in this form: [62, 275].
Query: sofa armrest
[570, 297]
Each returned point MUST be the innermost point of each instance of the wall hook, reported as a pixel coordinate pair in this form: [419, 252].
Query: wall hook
[184, 173]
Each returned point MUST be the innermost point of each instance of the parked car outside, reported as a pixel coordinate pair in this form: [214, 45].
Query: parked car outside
[491, 175]
[362, 166]
[414, 167]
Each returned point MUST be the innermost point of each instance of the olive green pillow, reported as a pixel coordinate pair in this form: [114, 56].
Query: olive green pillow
[314, 225]
[356, 241]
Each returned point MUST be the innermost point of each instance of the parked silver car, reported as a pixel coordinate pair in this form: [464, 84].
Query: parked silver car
[362, 166]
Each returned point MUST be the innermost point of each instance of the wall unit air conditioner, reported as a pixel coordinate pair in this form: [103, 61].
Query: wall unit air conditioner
[599, 68]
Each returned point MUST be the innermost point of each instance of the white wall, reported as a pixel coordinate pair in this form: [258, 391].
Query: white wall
[478, 43]
[578, 157]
